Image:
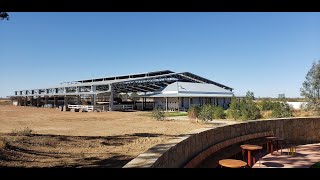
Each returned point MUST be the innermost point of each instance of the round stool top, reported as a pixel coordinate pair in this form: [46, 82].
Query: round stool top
[250, 147]
[232, 163]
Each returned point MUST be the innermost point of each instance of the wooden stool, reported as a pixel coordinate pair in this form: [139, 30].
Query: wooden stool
[250, 148]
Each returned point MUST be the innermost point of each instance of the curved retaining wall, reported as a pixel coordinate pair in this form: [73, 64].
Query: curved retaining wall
[177, 152]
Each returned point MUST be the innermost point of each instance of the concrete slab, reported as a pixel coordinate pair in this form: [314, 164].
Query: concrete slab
[305, 156]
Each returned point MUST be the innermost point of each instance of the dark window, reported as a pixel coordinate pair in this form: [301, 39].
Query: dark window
[182, 104]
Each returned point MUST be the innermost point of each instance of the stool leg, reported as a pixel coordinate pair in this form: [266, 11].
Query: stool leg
[243, 154]
[259, 158]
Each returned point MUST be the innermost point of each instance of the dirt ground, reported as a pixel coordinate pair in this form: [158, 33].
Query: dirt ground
[74, 139]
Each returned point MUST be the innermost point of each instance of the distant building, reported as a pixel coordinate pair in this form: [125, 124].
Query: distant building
[297, 105]
[166, 89]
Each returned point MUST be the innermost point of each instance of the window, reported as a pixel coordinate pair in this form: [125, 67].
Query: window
[182, 104]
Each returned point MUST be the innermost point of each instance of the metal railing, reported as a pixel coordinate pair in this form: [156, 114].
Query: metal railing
[84, 107]
[123, 107]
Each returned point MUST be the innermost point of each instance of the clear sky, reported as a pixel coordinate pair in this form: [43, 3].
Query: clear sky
[267, 53]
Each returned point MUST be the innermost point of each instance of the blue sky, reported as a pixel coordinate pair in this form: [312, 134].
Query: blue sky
[267, 53]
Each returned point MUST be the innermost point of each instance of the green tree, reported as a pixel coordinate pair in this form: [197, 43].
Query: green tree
[206, 112]
[311, 87]
[4, 15]
[249, 110]
[266, 105]
[234, 108]
[250, 95]
[218, 113]
[244, 109]
[281, 110]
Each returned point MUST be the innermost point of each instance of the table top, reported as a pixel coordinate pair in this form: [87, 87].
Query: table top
[250, 147]
[232, 163]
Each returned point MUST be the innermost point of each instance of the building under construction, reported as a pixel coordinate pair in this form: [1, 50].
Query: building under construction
[166, 89]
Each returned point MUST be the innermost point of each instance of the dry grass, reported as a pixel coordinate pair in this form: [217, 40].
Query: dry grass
[295, 113]
[3, 144]
[303, 113]
[26, 131]
[5, 102]
[74, 139]
[266, 114]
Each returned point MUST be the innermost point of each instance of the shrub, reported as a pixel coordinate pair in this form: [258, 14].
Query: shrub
[234, 109]
[22, 132]
[206, 112]
[266, 105]
[158, 114]
[243, 109]
[249, 110]
[193, 112]
[218, 113]
[281, 110]
[316, 165]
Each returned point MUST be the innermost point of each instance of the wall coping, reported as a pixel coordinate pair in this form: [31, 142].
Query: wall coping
[148, 158]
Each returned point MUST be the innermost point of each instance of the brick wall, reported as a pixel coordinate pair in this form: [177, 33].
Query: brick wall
[177, 152]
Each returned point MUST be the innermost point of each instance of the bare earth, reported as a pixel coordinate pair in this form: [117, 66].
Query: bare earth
[73, 139]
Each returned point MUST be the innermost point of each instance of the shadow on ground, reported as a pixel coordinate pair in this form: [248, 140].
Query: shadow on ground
[57, 151]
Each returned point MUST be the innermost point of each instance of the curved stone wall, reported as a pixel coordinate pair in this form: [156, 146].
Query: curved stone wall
[178, 151]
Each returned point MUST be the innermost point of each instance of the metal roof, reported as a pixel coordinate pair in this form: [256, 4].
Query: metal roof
[194, 87]
[138, 75]
[186, 95]
[188, 89]
[146, 82]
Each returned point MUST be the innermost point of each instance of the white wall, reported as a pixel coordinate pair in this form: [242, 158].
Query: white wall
[172, 103]
[296, 105]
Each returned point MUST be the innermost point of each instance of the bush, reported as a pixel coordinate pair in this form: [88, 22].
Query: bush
[158, 114]
[281, 110]
[22, 132]
[249, 110]
[218, 113]
[193, 112]
[266, 105]
[316, 165]
[234, 109]
[206, 112]
[243, 109]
